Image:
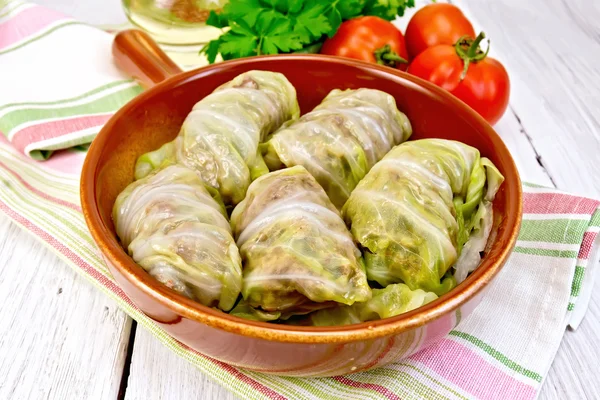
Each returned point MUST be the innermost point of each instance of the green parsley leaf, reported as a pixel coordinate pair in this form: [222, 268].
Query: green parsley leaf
[265, 20]
[211, 49]
[335, 20]
[242, 28]
[280, 38]
[270, 15]
[240, 41]
[387, 9]
[349, 8]
[337, 11]
[217, 20]
[294, 6]
[236, 46]
[311, 24]
[271, 4]
[249, 10]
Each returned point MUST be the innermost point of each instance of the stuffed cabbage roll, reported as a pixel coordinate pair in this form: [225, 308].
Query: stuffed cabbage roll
[219, 138]
[244, 310]
[340, 140]
[393, 300]
[297, 253]
[178, 232]
[414, 212]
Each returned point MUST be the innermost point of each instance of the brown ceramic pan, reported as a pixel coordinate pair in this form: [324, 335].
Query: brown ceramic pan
[154, 118]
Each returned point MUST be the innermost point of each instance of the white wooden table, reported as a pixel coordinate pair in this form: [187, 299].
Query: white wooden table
[84, 347]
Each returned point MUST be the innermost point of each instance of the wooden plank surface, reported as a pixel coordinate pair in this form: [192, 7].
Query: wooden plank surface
[551, 49]
[60, 337]
[158, 373]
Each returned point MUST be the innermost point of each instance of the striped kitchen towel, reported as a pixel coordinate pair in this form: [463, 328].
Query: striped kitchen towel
[57, 83]
[503, 350]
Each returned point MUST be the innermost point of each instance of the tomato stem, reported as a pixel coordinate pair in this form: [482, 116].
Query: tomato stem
[468, 49]
[387, 56]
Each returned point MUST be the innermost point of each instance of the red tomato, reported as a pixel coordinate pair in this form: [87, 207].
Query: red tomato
[371, 39]
[466, 72]
[434, 24]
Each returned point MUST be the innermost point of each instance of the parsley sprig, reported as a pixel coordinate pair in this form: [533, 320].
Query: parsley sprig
[283, 26]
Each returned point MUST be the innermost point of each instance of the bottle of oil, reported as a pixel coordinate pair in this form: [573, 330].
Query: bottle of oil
[175, 22]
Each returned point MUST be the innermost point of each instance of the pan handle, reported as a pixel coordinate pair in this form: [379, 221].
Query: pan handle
[138, 55]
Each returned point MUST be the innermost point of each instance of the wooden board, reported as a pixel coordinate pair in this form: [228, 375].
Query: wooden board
[60, 337]
[158, 373]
